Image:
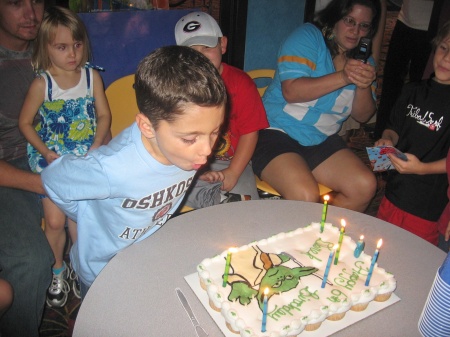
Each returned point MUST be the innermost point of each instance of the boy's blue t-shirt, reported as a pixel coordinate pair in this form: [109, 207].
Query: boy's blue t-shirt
[304, 54]
[118, 194]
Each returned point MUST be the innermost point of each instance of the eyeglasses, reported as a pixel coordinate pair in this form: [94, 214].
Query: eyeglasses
[350, 22]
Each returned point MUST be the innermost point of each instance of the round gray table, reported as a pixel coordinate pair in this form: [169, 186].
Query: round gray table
[135, 294]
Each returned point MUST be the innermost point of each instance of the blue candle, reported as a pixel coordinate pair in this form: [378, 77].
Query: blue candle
[324, 212]
[341, 237]
[374, 260]
[264, 318]
[359, 246]
[327, 268]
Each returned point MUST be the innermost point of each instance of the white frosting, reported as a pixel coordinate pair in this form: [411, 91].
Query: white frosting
[290, 310]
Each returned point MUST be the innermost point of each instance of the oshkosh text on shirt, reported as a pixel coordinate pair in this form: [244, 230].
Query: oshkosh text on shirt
[158, 198]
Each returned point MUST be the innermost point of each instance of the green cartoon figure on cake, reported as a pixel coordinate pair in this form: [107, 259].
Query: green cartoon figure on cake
[254, 270]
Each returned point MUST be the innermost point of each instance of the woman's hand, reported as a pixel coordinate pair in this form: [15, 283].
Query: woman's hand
[360, 74]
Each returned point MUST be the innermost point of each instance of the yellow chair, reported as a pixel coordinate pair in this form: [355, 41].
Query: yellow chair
[260, 74]
[122, 102]
[262, 186]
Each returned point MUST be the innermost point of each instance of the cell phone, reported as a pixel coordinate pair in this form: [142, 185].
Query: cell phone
[364, 49]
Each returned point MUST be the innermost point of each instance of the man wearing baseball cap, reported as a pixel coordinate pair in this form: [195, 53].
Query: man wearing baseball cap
[229, 177]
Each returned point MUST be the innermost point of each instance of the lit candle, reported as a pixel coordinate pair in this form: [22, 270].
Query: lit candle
[359, 246]
[341, 237]
[264, 318]
[324, 212]
[374, 260]
[327, 269]
[227, 266]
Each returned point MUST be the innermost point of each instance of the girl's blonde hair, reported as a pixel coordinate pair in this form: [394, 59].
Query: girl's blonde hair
[53, 17]
[443, 33]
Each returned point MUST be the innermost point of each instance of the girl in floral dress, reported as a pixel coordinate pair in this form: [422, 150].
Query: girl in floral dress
[74, 116]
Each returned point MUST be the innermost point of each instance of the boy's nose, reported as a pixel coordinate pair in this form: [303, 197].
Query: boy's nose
[206, 148]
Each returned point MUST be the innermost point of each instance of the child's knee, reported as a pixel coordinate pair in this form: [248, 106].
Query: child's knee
[55, 224]
[303, 193]
[366, 185]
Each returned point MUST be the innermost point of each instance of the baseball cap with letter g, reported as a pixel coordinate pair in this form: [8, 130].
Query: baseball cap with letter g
[197, 28]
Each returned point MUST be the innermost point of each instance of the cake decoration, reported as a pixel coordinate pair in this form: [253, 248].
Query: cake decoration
[291, 268]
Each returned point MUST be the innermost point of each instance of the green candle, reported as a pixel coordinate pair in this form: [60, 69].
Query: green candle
[324, 212]
[341, 237]
[227, 267]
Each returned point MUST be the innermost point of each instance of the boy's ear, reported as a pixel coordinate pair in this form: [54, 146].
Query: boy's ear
[145, 126]
[223, 44]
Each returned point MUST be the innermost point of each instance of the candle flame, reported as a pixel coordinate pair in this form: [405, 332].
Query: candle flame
[266, 291]
[232, 249]
[335, 246]
[361, 237]
[326, 197]
[343, 223]
[380, 242]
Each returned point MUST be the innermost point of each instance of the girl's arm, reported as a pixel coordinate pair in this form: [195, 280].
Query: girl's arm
[103, 113]
[33, 100]
[414, 166]
[388, 138]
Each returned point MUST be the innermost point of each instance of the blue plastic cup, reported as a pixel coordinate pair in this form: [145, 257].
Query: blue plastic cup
[435, 318]
[445, 270]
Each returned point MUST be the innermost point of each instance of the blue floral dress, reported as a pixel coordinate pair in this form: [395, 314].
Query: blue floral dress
[68, 120]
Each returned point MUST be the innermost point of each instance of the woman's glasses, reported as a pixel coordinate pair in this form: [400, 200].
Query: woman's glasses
[350, 22]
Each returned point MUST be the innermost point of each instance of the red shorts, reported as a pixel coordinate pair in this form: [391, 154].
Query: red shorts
[426, 229]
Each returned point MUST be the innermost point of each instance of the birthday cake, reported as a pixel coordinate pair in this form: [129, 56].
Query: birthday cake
[290, 267]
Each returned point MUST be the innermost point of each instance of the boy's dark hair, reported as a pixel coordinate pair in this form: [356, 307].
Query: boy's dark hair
[172, 77]
[443, 32]
[327, 18]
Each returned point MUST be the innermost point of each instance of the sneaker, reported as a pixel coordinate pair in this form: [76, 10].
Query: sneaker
[75, 283]
[58, 291]
[232, 197]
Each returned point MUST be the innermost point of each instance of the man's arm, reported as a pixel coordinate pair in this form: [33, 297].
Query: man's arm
[13, 177]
